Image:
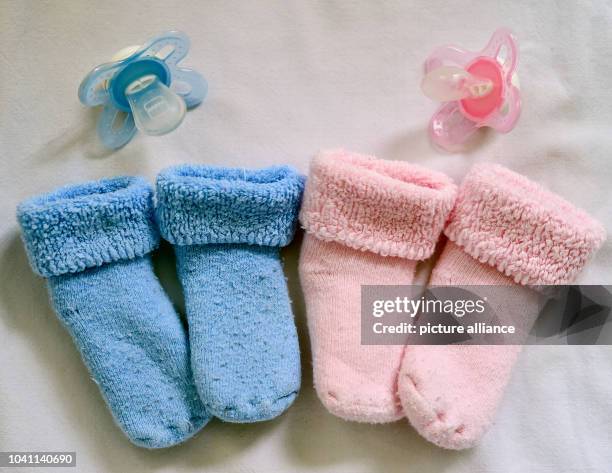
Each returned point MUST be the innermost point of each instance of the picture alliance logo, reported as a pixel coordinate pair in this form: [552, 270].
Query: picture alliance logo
[486, 315]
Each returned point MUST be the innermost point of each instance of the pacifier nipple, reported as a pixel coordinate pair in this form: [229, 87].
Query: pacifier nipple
[448, 83]
[156, 109]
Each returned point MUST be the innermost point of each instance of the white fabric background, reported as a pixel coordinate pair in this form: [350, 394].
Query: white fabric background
[286, 79]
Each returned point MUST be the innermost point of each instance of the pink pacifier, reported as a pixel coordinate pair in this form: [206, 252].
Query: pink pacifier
[477, 89]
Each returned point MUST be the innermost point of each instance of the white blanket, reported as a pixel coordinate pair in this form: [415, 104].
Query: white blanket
[286, 79]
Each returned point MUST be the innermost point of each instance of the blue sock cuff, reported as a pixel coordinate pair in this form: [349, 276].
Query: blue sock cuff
[211, 205]
[86, 225]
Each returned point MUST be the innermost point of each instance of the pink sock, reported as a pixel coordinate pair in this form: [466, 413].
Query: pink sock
[504, 230]
[368, 221]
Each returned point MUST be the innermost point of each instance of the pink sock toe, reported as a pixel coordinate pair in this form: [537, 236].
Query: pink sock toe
[448, 404]
[354, 395]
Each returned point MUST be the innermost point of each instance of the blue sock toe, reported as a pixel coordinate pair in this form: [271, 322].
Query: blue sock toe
[227, 226]
[244, 410]
[92, 242]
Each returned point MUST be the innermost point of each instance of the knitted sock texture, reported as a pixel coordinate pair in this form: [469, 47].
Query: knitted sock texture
[368, 221]
[92, 242]
[504, 231]
[227, 227]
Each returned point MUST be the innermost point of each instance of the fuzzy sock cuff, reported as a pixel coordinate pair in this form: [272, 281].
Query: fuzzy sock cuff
[526, 232]
[391, 208]
[210, 205]
[86, 225]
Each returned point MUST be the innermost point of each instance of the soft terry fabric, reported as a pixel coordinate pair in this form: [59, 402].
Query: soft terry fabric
[92, 243]
[227, 226]
[504, 230]
[368, 221]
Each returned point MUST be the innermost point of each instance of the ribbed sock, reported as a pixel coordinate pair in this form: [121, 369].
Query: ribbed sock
[227, 227]
[504, 231]
[92, 241]
[368, 221]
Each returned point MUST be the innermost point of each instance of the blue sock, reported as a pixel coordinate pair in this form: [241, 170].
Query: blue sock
[227, 226]
[92, 243]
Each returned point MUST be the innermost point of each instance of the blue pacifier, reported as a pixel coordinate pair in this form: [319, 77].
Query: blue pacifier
[143, 88]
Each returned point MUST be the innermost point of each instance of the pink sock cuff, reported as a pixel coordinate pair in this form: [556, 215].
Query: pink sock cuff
[388, 207]
[520, 228]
